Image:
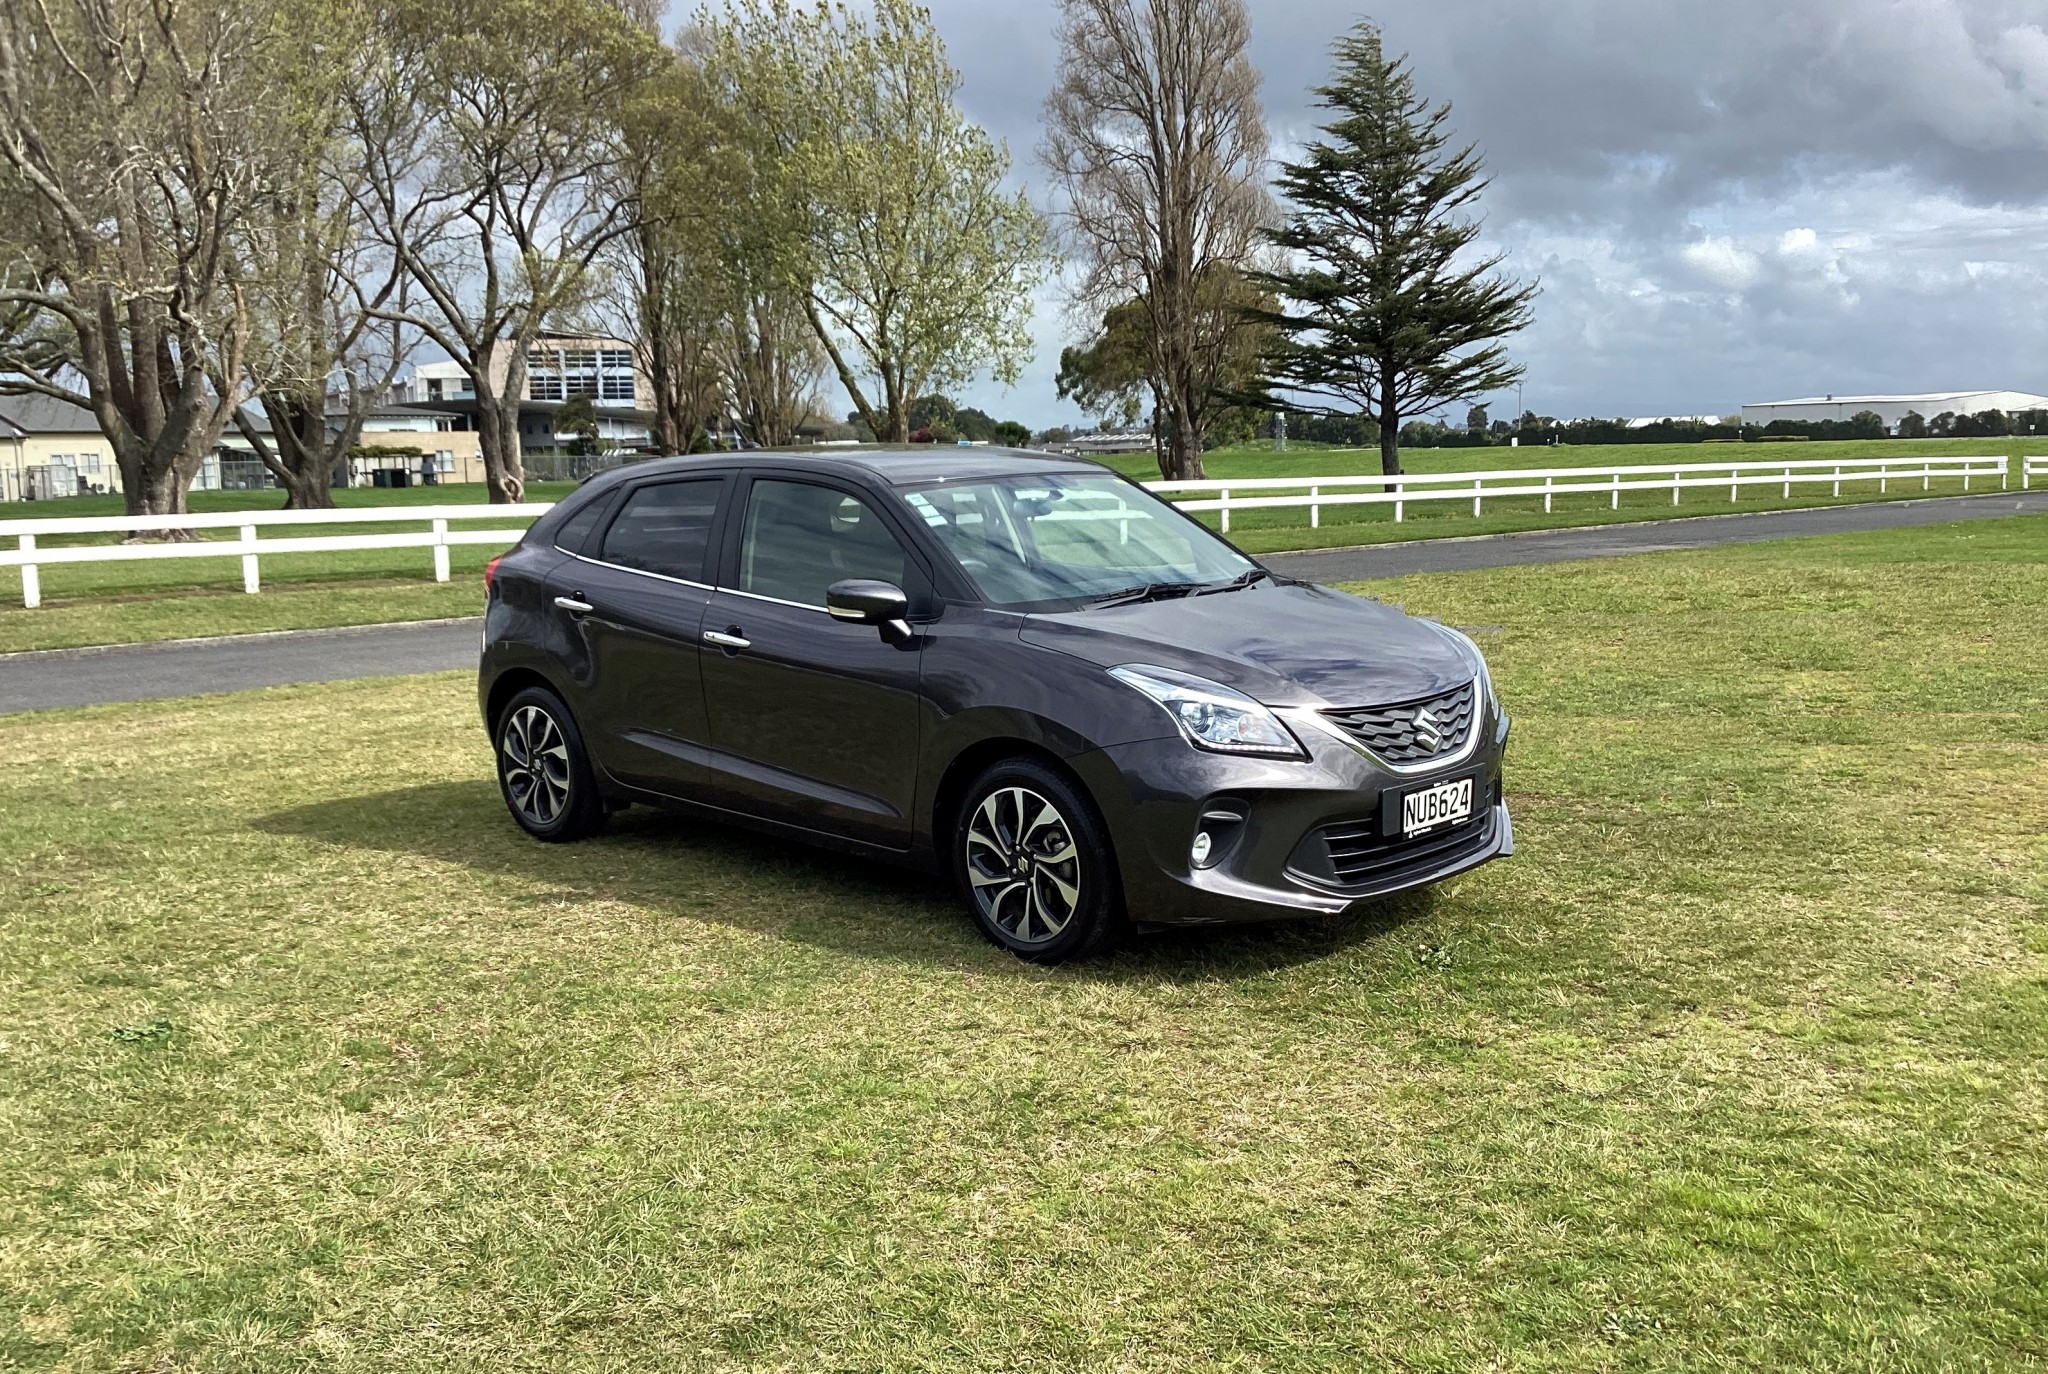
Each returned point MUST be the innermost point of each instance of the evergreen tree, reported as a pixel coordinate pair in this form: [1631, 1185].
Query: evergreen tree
[1381, 307]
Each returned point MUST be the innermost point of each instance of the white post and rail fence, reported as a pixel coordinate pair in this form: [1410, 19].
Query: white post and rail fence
[1224, 495]
[448, 526]
[444, 528]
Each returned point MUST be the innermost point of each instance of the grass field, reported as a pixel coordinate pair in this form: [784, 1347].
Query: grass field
[111, 603]
[310, 1063]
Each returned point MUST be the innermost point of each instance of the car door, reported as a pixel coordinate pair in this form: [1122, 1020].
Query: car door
[814, 720]
[636, 594]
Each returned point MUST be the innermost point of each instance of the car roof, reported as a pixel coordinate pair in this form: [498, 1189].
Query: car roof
[908, 466]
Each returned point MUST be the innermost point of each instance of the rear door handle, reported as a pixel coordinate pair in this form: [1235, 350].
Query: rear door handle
[574, 606]
[726, 641]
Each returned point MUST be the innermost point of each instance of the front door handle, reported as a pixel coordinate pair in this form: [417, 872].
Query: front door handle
[574, 606]
[727, 641]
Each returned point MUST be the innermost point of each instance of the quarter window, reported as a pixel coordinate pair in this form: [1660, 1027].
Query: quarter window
[800, 539]
[665, 529]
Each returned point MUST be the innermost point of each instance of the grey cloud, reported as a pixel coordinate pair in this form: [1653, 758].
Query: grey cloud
[1660, 165]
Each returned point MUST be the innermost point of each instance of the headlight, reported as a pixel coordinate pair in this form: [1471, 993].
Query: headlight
[1211, 715]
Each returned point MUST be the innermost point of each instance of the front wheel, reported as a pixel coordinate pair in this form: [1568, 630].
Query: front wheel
[1035, 863]
[543, 771]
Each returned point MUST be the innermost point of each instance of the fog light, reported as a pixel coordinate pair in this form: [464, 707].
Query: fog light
[1200, 852]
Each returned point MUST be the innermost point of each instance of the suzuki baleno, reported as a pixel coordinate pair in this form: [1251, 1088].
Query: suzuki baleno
[1024, 672]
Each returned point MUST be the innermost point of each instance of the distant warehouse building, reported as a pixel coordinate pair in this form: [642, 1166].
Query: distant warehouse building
[1892, 409]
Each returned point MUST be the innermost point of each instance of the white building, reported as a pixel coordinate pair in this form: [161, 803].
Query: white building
[1892, 409]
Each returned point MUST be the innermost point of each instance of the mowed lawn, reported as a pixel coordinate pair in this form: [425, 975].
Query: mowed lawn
[309, 1062]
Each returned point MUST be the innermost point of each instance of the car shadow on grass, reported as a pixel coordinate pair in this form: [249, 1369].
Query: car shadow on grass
[675, 865]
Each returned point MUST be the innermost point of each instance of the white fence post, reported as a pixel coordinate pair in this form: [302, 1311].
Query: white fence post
[250, 582]
[1733, 473]
[31, 577]
[1315, 511]
[1615, 504]
[1884, 477]
[440, 550]
[1400, 490]
[1838, 481]
[1546, 496]
[1926, 477]
[1674, 487]
[1788, 484]
[1226, 510]
[1475, 495]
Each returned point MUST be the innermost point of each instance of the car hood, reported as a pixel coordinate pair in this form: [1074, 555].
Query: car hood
[1285, 644]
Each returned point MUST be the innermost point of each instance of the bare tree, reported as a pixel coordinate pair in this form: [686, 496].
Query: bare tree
[320, 357]
[136, 137]
[1155, 138]
[492, 133]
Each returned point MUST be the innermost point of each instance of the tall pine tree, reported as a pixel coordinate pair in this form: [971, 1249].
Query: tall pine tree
[1381, 308]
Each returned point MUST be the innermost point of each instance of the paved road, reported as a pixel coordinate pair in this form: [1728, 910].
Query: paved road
[142, 672]
[1613, 541]
[84, 677]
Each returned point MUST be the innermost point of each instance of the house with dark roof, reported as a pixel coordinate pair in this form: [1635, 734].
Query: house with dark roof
[51, 448]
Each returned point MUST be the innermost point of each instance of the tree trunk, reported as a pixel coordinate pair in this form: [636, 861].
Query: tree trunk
[497, 423]
[1389, 418]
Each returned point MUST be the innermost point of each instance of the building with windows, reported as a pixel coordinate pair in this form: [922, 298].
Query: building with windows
[400, 446]
[51, 448]
[559, 368]
[1892, 409]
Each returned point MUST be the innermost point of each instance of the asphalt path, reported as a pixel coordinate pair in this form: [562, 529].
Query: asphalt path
[57, 678]
[187, 667]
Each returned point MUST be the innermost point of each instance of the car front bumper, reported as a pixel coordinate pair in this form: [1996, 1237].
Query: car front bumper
[1276, 862]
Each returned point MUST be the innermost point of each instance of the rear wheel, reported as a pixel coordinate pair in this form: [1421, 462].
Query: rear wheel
[1035, 863]
[543, 771]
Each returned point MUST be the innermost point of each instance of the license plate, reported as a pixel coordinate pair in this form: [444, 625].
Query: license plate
[1447, 803]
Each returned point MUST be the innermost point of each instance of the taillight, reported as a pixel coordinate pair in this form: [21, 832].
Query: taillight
[491, 573]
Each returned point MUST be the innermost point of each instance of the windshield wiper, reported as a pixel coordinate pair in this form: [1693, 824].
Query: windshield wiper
[1238, 583]
[1144, 591]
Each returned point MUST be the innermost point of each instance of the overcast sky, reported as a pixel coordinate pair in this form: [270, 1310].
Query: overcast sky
[1724, 200]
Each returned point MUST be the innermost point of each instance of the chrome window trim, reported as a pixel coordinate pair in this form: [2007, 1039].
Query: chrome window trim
[774, 600]
[639, 572]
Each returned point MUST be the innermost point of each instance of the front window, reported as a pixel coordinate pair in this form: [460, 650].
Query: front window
[1039, 542]
[800, 539]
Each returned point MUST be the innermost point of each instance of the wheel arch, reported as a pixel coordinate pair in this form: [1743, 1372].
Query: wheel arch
[970, 763]
[511, 683]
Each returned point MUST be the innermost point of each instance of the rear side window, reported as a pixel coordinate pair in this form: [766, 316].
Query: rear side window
[665, 529]
[575, 531]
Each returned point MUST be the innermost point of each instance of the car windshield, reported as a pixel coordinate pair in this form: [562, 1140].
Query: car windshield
[1038, 541]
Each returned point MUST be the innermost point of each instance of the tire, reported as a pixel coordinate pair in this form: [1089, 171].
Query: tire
[557, 801]
[1054, 897]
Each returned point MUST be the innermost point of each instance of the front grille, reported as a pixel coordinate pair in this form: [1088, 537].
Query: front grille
[1359, 854]
[1394, 733]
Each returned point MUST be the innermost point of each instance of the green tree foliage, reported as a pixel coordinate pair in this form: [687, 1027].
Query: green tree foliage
[1111, 376]
[1913, 425]
[915, 265]
[1386, 307]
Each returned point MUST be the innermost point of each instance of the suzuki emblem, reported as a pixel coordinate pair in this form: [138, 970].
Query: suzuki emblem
[1427, 733]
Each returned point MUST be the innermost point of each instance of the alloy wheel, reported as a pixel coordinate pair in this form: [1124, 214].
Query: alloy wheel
[1023, 866]
[536, 764]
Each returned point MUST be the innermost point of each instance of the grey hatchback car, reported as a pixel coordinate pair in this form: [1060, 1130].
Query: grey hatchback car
[1026, 673]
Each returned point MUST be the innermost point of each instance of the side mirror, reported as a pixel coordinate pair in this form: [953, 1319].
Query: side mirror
[862, 602]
